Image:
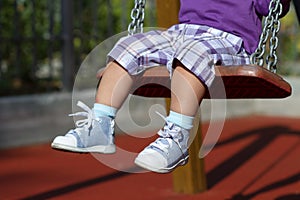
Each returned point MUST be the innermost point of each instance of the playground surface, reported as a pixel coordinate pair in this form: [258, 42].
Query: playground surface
[256, 157]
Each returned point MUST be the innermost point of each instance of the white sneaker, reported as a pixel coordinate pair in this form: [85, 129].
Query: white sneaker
[166, 152]
[92, 135]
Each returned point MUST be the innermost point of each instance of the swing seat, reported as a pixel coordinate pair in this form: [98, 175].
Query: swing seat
[231, 82]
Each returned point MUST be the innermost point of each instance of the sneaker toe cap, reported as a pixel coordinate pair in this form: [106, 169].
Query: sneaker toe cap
[151, 160]
[67, 140]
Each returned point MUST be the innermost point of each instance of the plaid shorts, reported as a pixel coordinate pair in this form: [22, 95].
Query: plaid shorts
[197, 47]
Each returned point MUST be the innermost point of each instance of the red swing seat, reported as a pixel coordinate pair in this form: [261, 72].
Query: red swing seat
[240, 82]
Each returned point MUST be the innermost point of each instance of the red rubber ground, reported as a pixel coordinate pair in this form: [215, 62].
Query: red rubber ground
[255, 158]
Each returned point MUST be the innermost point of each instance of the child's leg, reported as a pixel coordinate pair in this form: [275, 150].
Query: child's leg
[187, 91]
[114, 86]
[171, 148]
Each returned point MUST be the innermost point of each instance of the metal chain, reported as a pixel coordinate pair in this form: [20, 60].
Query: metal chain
[271, 25]
[137, 15]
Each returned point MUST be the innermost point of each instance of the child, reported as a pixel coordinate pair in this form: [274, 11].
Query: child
[224, 32]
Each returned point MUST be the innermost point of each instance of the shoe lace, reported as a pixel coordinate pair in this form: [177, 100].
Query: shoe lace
[88, 113]
[169, 133]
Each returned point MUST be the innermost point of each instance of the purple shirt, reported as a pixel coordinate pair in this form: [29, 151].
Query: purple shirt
[241, 18]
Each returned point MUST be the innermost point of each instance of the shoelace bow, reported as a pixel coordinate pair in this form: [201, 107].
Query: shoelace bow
[89, 114]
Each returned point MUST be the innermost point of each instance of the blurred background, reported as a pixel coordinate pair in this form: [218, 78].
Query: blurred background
[43, 43]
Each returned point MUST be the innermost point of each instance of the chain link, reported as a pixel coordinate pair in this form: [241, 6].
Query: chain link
[137, 15]
[271, 25]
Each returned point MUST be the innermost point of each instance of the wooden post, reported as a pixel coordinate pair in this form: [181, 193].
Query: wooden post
[190, 178]
[167, 12]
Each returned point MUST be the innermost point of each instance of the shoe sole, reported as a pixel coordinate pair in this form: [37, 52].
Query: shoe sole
[146, 166]
[110, 149]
